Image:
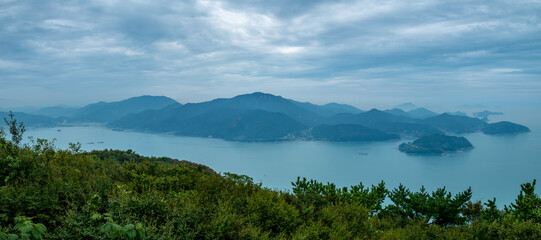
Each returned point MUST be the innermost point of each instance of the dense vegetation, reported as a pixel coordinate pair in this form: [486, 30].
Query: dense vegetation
[436, 144]
[47, 193]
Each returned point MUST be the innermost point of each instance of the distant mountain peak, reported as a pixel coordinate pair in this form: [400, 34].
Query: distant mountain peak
[260, 97]
[258, 94]
[397, 112]
[406, 106]
[421, 113]
[110, 111]
[377, 112]
[333, 104]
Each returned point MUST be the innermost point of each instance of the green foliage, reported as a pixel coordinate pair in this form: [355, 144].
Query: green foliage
[242, 179]
[472, 211]
[116, 231]
[25, 229]
[491, 213]
[440, 207]
[75, 147]
[113, 194]
[319, 194]
[528, 204]
[16, 129]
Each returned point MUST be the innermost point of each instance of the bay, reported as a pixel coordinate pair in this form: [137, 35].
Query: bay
[495, 168]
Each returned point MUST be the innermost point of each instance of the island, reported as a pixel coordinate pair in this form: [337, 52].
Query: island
[262, 117]
[437, 144]
[485, 114]
[349, 133]
[504, 127]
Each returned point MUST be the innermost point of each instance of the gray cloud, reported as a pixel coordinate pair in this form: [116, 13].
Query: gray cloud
[346, 51]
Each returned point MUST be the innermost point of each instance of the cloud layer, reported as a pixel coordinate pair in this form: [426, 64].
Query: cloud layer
[359, 52]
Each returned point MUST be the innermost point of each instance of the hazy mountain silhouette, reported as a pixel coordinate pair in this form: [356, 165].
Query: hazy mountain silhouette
[266, 117]
[504, 127]
[56, 111]
[421, 113]
[406, 106]
[418, 113]
[458, 113]
[386, 122]
[103, 112]
[328, 109]
[456, 124]
[398, 112]
[33, 120]
[233, 124]
[254, 101]
[349, 132]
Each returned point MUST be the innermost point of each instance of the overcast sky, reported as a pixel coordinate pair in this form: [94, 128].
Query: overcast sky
[365, 53]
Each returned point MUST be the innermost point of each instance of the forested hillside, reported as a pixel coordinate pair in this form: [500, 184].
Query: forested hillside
[50, 193]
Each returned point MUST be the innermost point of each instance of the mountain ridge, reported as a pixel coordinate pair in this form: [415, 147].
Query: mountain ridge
[262, 116]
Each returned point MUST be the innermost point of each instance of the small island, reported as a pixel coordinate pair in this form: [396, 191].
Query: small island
[504, 127]
[485, 114]
[438, 144]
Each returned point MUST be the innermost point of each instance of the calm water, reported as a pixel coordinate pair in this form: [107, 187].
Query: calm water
[495, 168]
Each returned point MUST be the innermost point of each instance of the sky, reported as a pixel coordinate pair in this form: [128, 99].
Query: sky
[364, 53]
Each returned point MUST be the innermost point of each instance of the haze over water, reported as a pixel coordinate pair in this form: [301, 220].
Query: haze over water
[495, 168]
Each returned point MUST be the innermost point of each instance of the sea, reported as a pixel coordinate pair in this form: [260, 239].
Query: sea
[495, 168]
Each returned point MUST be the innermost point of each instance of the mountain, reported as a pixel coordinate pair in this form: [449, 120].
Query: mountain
[408, 130]
[349, 132]
[417, 113]
[368, 119]
[485, 114]
[457, 113]
[143, 121]
[454, 123]
[249, 117]
[237, 124]
[103, 112]
[32, 120]
[406, 106]
[265, 117]
[398, 112]
[328, 109]
[161, 120]
[384, 121]
[55, 111]
[272, 103]
[421, 113]
[436, 144]
[504, 127]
